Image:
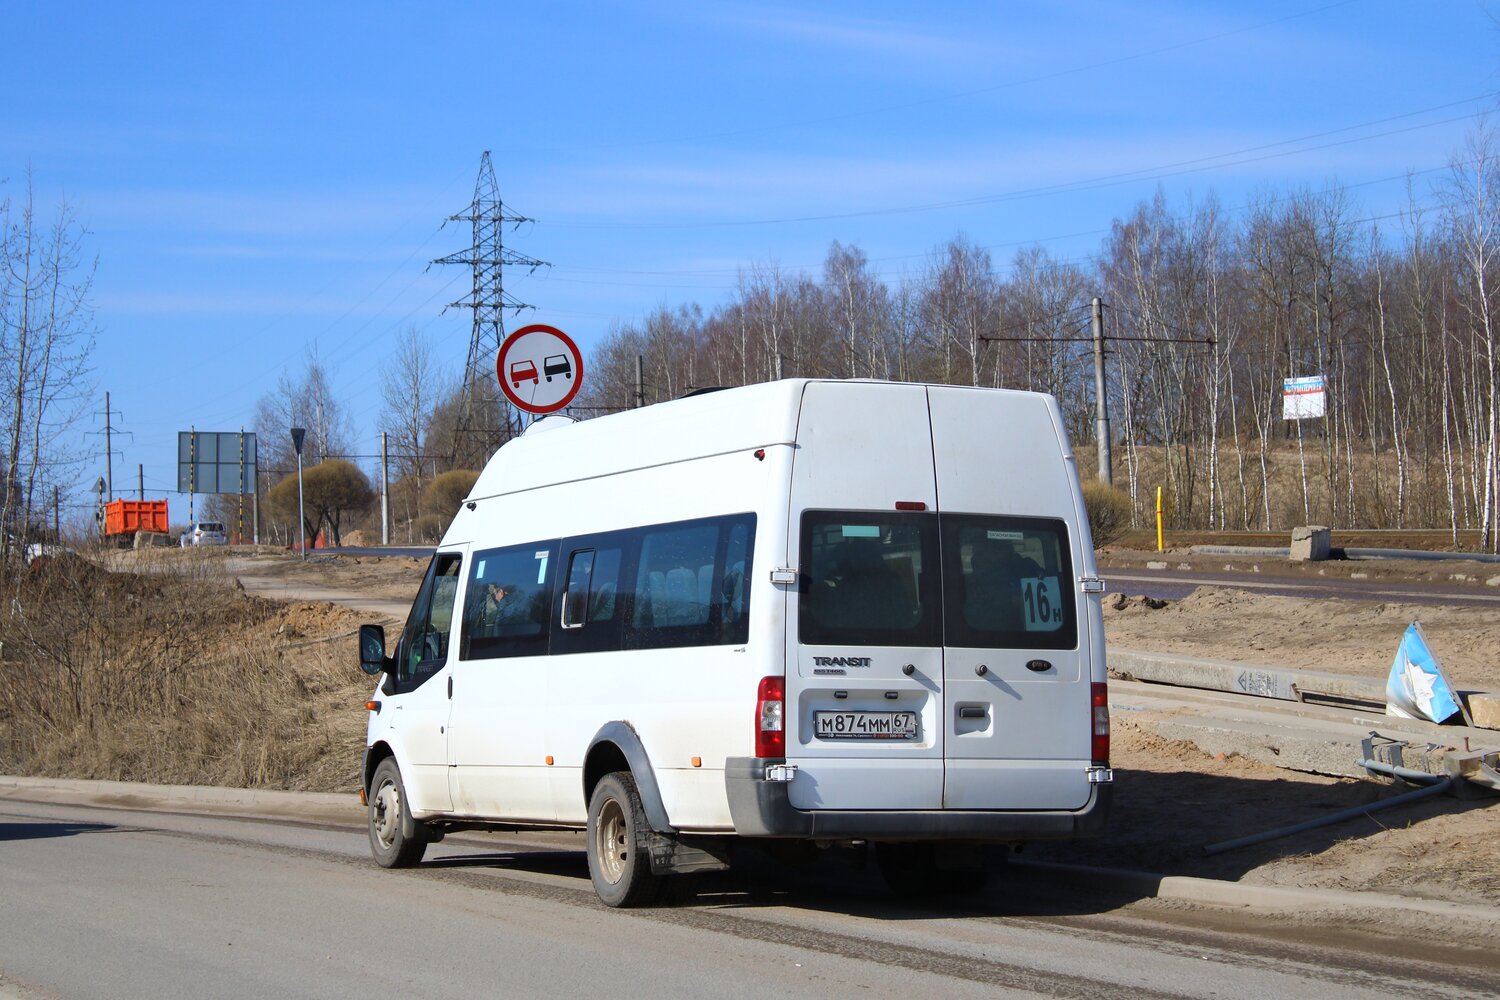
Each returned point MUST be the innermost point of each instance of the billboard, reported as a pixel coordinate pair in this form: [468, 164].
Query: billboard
[212, 462]
[1303, 398]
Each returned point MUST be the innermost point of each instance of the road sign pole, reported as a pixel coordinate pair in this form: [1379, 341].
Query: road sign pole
[298, 433]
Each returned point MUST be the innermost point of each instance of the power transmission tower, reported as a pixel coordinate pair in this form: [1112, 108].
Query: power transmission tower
[478, 432]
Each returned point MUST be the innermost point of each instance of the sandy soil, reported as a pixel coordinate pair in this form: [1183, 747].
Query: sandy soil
[1172, 799]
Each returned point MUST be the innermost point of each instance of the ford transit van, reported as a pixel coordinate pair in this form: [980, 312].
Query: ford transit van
[835, 612]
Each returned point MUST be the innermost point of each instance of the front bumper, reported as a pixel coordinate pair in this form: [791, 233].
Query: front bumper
[762, 808]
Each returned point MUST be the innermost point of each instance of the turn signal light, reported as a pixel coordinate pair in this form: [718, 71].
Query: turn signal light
[372, 706]
[770, 718]
[1099, 697]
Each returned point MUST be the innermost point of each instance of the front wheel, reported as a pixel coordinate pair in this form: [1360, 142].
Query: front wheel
[397, 840]
[619, 862]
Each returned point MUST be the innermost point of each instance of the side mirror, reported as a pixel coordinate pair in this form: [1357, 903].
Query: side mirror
[372, 649]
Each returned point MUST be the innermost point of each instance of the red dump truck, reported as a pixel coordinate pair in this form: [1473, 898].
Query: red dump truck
[125, 520]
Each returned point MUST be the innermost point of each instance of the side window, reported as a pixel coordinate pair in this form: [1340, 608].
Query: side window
[423, 649]
[869, 578]
[1007, 583]
[592, 601]
[692, 584]
[673, 583]
[734, 584]
[509, 606]
[575, 613]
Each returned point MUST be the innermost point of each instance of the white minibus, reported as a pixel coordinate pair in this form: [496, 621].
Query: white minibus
[833, 612]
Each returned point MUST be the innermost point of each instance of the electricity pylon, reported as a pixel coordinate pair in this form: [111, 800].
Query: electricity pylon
[479, 429]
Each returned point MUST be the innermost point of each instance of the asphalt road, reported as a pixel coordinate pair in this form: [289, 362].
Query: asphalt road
[121, 904]
[1175, 584]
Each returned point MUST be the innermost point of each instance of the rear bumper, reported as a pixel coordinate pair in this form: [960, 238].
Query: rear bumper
[762, 808]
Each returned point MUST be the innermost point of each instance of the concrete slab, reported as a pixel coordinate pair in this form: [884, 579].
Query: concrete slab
[1313, 738]
[1484, 708]
[1261, 680]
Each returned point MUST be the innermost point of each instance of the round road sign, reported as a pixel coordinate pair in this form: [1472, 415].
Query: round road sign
[539, 368]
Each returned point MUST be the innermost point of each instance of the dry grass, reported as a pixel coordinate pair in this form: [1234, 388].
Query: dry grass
[176, 676]
[1372, 495]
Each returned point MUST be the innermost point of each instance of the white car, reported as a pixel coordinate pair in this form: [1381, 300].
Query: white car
[204, 533]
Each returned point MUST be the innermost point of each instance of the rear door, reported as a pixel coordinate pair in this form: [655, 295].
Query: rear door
[1016, 664]
[864, 678]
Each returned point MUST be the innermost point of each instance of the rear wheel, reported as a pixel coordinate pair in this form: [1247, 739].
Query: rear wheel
[619, 862]
[396, 839]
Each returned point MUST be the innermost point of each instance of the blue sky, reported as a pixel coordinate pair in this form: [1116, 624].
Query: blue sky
[262, 181]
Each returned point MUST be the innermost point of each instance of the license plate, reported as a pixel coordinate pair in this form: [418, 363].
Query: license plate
[865, 725]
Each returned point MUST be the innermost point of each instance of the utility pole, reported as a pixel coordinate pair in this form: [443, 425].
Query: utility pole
[640, 381]
[1101, 398]
[140, 482]
[57, 514]
[109, 475]
[192, 469]
[239, 525]
[385, 492]
[487, 257]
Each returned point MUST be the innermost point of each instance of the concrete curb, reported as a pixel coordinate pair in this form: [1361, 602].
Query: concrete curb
[317, 807]
[255, 803]
[1215, 892]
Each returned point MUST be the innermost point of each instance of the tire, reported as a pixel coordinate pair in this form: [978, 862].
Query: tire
[619, 862]
[396, 839]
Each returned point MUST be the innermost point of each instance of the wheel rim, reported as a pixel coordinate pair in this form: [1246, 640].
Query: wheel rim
[612, 844]
[385, 819]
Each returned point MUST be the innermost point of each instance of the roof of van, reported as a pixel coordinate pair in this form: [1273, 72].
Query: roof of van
[714, 423]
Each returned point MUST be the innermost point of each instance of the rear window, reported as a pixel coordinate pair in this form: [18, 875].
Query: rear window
[869, 579]
[211, 526]
[921, 579]
[1007, 583]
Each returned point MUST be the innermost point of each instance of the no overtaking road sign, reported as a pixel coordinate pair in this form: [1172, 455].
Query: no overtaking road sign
[540, 368]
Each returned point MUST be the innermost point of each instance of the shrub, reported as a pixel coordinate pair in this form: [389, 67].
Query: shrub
[1108, 510]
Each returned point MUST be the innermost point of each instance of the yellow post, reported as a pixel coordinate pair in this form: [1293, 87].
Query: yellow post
[1159, 546]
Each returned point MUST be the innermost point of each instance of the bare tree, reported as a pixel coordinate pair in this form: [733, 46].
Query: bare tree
[411, 386]
[1473, 204]
[307, 402]
[46, 331]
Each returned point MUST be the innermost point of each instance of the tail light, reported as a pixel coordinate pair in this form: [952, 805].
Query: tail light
[770, 718]
[1099, 698]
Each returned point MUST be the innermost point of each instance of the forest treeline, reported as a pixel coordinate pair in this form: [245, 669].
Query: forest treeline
[1207, 311]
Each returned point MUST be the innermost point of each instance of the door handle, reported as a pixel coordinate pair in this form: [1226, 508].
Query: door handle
[450, 686]
[971, 712]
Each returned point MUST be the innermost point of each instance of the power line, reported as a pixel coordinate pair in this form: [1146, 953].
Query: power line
[1159, 172]
[965, 94]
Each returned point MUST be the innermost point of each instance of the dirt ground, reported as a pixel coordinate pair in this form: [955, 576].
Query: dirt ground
[1358, 638]
[1171, 798]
